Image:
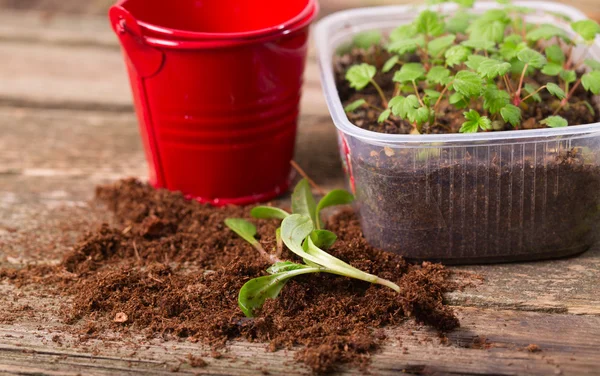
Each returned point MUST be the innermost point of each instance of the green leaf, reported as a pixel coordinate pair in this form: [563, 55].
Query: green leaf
[587, 29]
[360, 75]
[474, 61]
[284, 266]
[355, 105]
[531, 57]
[546, 32]
[511, 114]
[530, 89]
[458, 101]
[409, 72]
[555, 122]
[243, 228]
[294, 229]
[511, 47]
[420, 116]
[492, 68]
[384, 116]
[367, 39]
[552, 69]
[255, 292]
[402, 32]
[465, 3]
[468, 84]
[555, 90]
[568, 76]
[268, 212]
[438, 45]
[390, 63]
[403, 106]
[432, 94]
[333, 198]
[459, 23]
[591, 82]
[494, 99]
[474, 122]
[592, 64]
[456, 55]
[555, 54]
[323, 238]
[438, 75]
[480, 45]
[487, 31]
[429, 22]
[403, 46]
[303, 201]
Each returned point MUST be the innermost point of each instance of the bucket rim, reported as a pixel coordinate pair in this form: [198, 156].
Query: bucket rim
[307, 15]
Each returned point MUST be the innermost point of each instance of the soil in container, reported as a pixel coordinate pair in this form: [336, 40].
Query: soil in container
[473, 203]
[168, 267]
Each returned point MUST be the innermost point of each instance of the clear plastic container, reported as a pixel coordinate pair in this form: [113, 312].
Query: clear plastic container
[466, 198]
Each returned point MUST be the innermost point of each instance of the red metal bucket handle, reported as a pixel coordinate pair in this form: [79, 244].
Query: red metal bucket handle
[147, 60]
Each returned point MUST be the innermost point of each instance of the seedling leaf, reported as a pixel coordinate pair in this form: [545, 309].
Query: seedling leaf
[555, 54]
[355, 105]
[568, 76]
[268, 212]
[494, 99]
[531, 57]
[256, 291]
[438, 45]
[323, 238]
[303, 201]
[511, 114]
[545, 32]
[284, 266]
[491, 68]
[474, 61]
[591, 82]
[552, 69]
[390, 63]
[593, 64]
[474, 122]
[587, 29]
[243, 228]
[360, 75]
[531, 90]
[409, 72]
[402, 46]
[438, 75]
[555, 122]
[467, 84]
[456, 55]
[429, 22]
[384, 116]
[367, 39]
[555, 90]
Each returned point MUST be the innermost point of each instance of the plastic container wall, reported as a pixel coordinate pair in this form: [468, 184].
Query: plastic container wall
[486, 197]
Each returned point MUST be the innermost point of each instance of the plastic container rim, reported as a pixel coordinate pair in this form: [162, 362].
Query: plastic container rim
[325, 57]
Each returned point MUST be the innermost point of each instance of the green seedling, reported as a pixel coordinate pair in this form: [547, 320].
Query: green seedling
[483, 64]
[302, 233]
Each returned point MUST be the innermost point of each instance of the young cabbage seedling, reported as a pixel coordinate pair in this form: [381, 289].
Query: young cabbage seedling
[303, 234]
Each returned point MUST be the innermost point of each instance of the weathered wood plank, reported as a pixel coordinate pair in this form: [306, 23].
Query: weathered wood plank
[489, 342]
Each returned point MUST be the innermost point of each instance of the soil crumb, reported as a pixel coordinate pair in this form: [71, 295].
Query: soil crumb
[169, 267]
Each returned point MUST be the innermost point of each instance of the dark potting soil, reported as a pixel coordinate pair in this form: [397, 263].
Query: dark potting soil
[504, 202]
[171, 268]
[451, 118]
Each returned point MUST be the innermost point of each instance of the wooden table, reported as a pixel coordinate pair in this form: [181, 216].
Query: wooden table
[67, 125]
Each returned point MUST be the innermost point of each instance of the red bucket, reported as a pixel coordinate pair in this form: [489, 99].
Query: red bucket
[216, 86]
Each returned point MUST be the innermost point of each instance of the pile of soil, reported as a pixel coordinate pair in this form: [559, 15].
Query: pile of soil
[171, 268]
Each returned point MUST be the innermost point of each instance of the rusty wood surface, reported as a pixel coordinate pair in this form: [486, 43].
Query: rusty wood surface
[67, 126]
